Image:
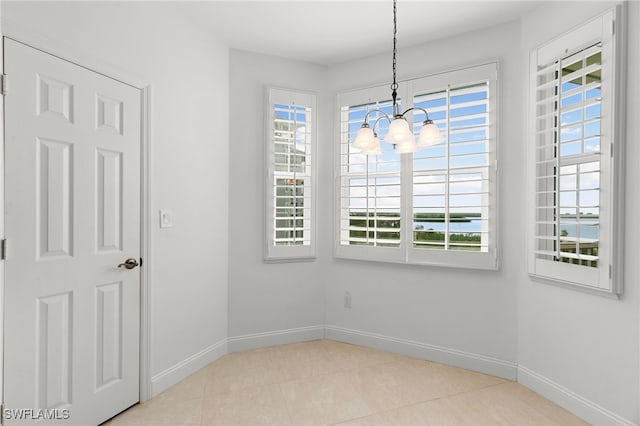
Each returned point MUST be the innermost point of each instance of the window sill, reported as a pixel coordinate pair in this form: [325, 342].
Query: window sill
[609, 294]
[487, 261]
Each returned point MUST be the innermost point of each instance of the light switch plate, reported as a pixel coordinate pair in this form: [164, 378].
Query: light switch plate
[166, 218]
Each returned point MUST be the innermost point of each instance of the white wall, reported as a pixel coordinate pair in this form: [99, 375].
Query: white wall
[267, 297]
[188, 72]
[438, 308]
[585, 343]
[579, 349]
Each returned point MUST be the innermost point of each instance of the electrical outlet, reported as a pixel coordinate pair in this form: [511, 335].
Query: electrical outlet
[347, 300]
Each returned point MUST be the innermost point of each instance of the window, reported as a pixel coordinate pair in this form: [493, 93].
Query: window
[436, 206]
[290, 186]
[576, 173]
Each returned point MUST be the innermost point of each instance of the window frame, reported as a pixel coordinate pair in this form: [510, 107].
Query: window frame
[607, 278]
[405, 253]
[288, 253]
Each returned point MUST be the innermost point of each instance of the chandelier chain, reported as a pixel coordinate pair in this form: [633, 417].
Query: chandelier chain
[394, 85]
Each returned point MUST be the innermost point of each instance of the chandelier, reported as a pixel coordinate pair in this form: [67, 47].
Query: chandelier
[399, 134]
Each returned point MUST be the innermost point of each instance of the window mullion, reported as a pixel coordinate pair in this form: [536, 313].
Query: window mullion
[556, 136]
[406, 181]
[447, 186]
[292, 145]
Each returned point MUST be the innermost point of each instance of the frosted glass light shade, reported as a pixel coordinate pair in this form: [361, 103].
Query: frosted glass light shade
[429, 136]
[374, 148]
[399, 132]
[364, 138]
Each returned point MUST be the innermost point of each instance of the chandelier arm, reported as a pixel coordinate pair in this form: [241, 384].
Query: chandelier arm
[419, 109]
[378, 119]
[366, 117]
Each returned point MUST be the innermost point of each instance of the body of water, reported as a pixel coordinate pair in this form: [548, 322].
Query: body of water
[589, 227]
[472, 226]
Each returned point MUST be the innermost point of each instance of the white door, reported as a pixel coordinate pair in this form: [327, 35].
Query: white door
[72, 215]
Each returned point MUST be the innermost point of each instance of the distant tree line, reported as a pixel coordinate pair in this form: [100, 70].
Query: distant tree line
[391, 221]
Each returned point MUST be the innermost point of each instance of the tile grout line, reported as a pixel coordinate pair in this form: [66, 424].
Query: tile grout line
[302, 379]
[284, 399]
[536, 408]
[286, 405]
[375, 413]
[348, 370]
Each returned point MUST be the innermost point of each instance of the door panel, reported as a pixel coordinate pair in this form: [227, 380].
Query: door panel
[72, 215]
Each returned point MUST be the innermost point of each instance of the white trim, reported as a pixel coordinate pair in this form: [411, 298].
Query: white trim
[607, 278]
[619, 146]
[276, 337]
[145, 249]
[2, 234]
[468, 360]
[573, 402]
[574, 39]
[295, 253]
[62, 50]
[183, 369]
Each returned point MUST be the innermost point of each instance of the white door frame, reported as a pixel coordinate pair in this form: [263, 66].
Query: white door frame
[2, 234]
[87, 60]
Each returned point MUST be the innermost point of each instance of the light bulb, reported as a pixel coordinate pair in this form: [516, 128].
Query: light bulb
[429, 135]
[364, 138]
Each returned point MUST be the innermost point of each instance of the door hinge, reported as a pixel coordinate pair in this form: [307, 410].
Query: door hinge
[3, 249]
[3, 84]
[141, 262]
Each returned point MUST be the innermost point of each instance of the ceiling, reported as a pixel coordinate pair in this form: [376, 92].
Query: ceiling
[330, 31]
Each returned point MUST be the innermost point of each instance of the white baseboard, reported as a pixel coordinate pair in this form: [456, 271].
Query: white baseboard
[580, 406]
[195, 362]
[185, 368]
[571, 401]
[272, 338]
[470, 361]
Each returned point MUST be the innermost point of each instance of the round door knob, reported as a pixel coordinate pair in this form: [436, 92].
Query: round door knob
[129, 263]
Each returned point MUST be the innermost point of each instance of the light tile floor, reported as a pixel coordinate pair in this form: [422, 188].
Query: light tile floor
[326, 382]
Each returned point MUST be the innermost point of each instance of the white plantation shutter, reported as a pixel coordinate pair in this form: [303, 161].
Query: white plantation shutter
[369, 186]
[438, 205]
[290, 230]
[573, 179]
[568, 154]
[454, 203]
[371, 201]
